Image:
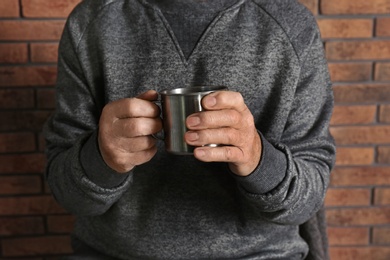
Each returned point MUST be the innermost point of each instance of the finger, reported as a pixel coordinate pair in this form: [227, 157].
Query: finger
[220, 136]
[213, 119]
[224, 100]
[132, 145]
[126, 161]
[143, 156]
[132, 107]
[230, 154]
[134, 127]
[138, 144]
[150, 95]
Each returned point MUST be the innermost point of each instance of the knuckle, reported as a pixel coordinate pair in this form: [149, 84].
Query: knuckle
[233, 136]
[150, 142]
[110, 146]
[132, 107]
[139, 127]
[150, 153]
[144, 156]
[131, 127]
[106, 108]
[121, 162]
[134, 127]
[106, 112]
[238, 97]
[235, 117]
[228, 153]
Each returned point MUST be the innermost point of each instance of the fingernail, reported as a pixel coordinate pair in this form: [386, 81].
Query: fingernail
[192, 136]
[200, 153]
[210, 101]
[193, 121]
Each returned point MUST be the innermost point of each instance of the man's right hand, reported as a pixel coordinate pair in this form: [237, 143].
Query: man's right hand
[125, 130]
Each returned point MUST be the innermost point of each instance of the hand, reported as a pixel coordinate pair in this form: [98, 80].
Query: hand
[228, 121]
[125, 130]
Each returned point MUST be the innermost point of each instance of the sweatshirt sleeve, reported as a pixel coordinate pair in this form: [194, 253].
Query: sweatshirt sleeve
[76, 173]
[290, 183]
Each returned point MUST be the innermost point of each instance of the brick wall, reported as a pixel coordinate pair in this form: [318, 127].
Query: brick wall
[356, 35]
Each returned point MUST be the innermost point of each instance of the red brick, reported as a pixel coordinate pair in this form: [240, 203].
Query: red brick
[28, 76]
[16, 98]
[13, 53]
[355, 156]
[41, 142]
[29, 205]
[358, 216]
[21, 226]
[362, 93]
[381, 236]
[382, 70]
[32, 246]
[46, 98]
[348, 236]
[359, 253]
[383, 154]
[350, 72]
[20, 185]
[360, 176]
[9, 8]
[17, 142]
[20, 30]
[312, 5]
[45, 8]
[346, 115]
[23, 120]
[348, 197]
[345, 28]
[358, 50]
[355, 7]
[382, 196]
[22, 163]
[384, 114]
[345, 135]
[44, 52]
[383, 27]
[60, 223]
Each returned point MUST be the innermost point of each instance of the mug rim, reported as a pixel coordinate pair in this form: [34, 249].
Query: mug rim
[193, 90]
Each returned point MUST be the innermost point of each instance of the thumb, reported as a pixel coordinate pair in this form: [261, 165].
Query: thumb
[150, 95]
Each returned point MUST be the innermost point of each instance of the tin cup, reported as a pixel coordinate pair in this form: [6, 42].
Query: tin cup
[177, 104]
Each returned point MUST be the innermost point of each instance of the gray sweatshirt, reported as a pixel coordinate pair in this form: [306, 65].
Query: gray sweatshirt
[175, 207]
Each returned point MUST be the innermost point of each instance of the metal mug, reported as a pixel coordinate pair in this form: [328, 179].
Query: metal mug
[177, 104]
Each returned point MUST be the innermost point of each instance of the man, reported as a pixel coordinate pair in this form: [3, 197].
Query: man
[243, 200]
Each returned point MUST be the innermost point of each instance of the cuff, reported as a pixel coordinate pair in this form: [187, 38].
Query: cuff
[96, 169]
[268, 174]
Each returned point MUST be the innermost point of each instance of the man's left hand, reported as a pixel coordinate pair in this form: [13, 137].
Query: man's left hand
[226, 121]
